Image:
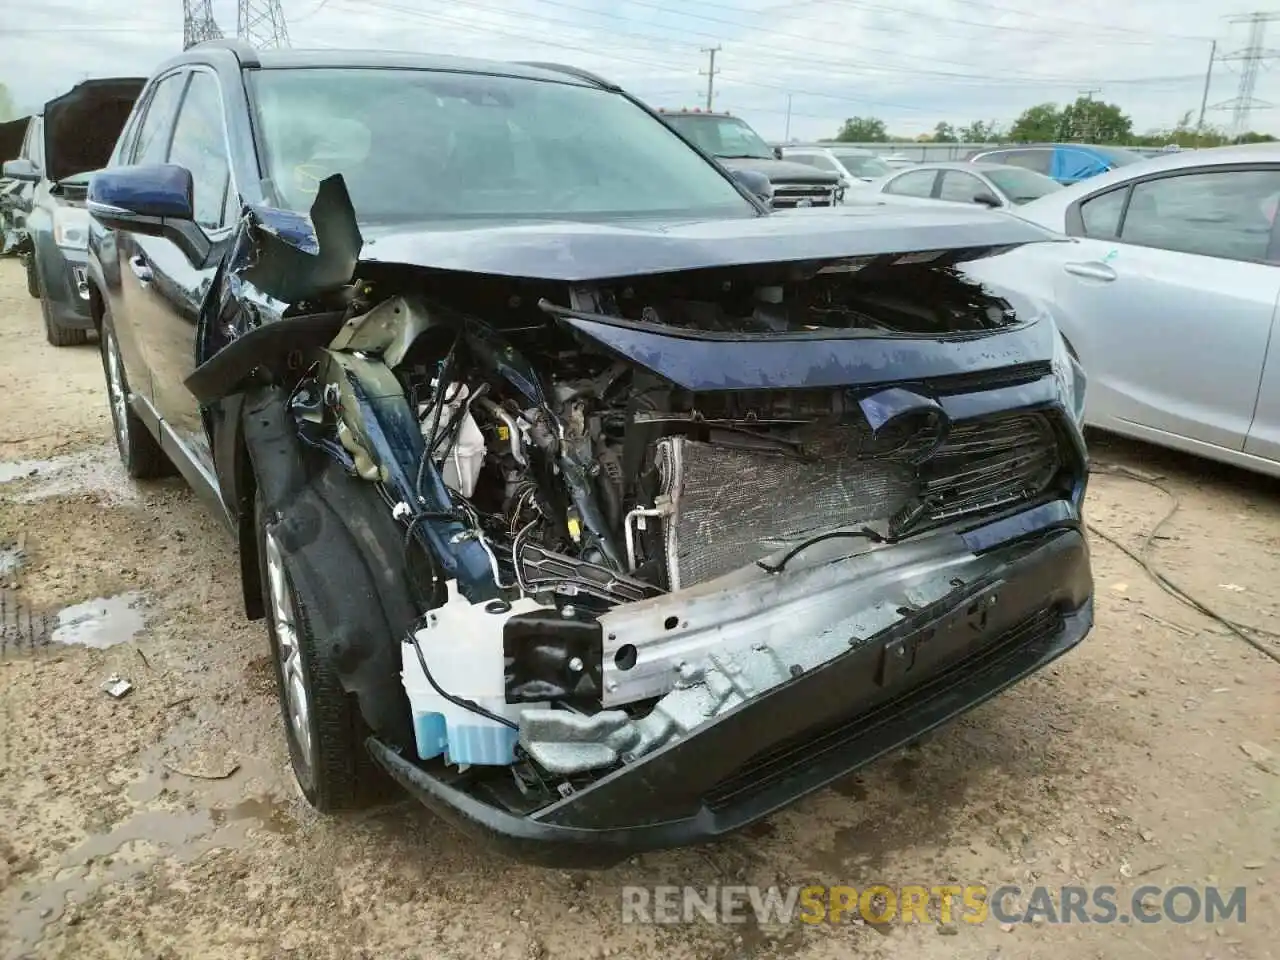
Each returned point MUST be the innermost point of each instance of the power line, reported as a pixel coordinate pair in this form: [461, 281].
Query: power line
[770, 54]
[930, 17]
[1252, 56]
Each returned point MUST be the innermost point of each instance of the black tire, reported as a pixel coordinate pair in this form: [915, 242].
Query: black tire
[54, 332]
[33, 282]
[334, 771]
[139, 450]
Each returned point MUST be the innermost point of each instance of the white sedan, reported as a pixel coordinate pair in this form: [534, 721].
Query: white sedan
[1166, 286]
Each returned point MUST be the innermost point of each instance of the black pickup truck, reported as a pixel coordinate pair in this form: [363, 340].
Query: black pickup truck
[732, 142]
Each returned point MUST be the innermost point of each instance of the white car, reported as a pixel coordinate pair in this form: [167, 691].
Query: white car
[994, 185]
[1166, 286]
[857, 167]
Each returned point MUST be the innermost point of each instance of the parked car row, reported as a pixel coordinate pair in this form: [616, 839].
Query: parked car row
[541, 423]
[72, 136]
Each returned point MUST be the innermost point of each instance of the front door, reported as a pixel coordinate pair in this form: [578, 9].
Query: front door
[1175, 286]
[176, 286]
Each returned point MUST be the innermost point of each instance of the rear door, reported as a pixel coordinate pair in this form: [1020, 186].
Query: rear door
[1172, 291]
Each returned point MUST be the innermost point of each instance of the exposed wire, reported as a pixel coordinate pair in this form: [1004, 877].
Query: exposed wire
[1163, 581]
[866, 533]
[455, 700]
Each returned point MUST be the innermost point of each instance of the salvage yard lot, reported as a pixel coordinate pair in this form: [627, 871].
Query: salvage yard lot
[166, 824]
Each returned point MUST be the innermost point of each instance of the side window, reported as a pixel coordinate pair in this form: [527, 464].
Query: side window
[200, 145]
[1227, 214]
[1101, 214]
[960, 187]
[32, 142]
[153, 132]
[1039, 160]
[917, 183]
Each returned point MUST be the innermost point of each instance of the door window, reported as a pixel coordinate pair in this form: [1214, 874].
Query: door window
[917, 183]
[1227, 214]
[153, 135]
[1040, 161]
[960, 187]
[1101, 214]
[200, 145]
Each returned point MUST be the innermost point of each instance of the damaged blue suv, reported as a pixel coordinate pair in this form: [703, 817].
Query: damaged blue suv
[600, 506]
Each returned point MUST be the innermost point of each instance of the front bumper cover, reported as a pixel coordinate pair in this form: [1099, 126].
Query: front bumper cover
[934, 664]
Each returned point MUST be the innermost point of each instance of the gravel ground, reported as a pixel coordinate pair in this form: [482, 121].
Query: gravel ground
[166, 825]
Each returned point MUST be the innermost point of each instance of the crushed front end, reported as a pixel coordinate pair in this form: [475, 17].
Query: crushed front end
[689, 545]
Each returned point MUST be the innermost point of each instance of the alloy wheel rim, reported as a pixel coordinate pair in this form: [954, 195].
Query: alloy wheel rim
[115, 386]
[296, 701]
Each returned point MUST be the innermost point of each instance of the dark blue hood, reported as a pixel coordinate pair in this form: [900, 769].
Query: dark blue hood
[573, 251]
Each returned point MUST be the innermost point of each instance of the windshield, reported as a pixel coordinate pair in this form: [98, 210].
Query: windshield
[721, 136]
[863, 166]
[1021, 185]
[417, 144]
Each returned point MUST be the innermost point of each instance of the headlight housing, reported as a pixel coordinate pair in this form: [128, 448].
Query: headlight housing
[1071, 376]
[71, 228]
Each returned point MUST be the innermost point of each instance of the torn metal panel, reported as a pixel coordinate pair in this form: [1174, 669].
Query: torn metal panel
[298, 257]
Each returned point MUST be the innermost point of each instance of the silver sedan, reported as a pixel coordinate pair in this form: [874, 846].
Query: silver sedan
[995, 185]
[1166, 286]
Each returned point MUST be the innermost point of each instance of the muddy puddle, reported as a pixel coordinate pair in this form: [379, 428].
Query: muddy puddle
[99, 623]
[183, 809]
[97, 471]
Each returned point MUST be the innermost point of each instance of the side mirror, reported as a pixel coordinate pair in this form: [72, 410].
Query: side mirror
[756, 183]
[987, 199]
[777, 153]
[154, 200]
[21, 169]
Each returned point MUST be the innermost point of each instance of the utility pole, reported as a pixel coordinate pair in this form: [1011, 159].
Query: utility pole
[1252, 56]
[711, 72]
[198, 24]
[1208, 78]
[1084, 127]
[786, 137]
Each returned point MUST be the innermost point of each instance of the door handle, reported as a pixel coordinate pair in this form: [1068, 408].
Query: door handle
[1091, 269]
[141, 269]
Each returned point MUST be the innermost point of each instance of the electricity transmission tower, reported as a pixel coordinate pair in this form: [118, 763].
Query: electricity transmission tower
[1251, 57]
[261, 23]
[198, 24]
[710, 73]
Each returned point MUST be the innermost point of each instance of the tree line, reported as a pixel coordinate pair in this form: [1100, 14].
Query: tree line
[1086, 120]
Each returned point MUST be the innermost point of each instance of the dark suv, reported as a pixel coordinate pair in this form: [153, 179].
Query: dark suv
[733, 142]
[72, 136]
[596, 503]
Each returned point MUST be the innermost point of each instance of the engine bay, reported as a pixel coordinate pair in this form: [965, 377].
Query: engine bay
[545, 484]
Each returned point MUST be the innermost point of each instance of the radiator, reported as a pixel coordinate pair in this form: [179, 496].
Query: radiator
[733, 505]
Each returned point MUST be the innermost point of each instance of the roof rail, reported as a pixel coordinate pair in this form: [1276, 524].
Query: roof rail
[245, 52]
[571, 71]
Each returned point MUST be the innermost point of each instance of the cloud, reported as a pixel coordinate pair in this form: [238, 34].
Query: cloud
[911, 62]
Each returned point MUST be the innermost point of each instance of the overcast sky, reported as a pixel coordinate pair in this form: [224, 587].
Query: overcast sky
[909, 62]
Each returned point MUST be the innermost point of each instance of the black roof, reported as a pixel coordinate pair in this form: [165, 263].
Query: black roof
[408, 60]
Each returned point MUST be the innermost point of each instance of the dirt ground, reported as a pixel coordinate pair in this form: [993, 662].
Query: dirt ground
[165, 824]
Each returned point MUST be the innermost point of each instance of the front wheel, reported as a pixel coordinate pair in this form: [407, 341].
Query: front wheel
[322, 724]
[139, 451]
[33, 281]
